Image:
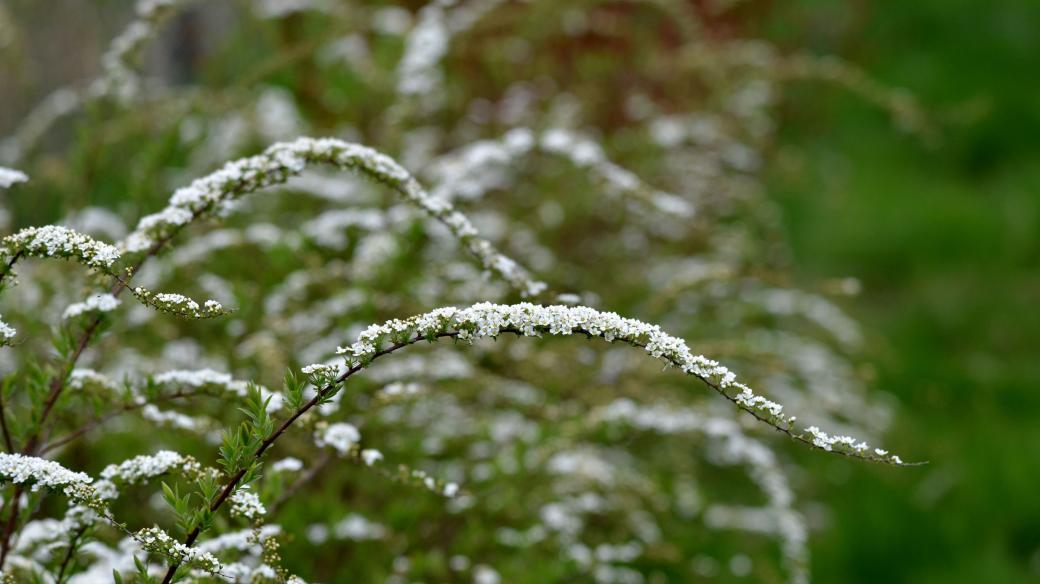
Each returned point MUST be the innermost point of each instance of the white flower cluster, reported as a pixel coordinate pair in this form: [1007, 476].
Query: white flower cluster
[10, 176]
[242, 540]
[371, 456]
[490, 320]
[320, 374]
[587, 154]
[179, 305]
[57, 241]
[207, 377]
[481, 166]
[418, 72]
[155, 540]
[216, 192]
[352, 527]
[81, 378]
[823, 440]
[142, 468]
[247, 504]
[732, 447]
[7, 333]
[42, 473]
[288, 464]
[341, 437]
[400, 389]
[174, 419]
[96, 303]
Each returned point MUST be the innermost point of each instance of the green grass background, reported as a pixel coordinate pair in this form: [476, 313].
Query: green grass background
[946, 241]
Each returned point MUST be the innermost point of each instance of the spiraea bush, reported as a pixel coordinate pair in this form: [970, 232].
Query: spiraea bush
[316, 328]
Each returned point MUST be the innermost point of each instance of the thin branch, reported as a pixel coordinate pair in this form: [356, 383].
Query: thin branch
[229, 489]
[3, 423]
[70, 553]
[308, 476]
[77, 433]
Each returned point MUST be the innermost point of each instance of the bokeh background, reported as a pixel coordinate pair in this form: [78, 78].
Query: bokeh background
[942, 231]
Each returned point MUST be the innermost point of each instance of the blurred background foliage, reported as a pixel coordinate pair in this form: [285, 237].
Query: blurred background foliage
[946, 240]
[943, 233]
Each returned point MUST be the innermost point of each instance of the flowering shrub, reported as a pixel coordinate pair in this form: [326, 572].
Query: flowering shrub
[250, 423]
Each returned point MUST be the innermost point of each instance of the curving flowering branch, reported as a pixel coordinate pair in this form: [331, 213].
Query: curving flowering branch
[487, 320]
[525, 319]
[56, 241]
[215, 193]
[470, 171]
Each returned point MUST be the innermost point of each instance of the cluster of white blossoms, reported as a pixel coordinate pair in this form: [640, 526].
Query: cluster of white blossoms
[174, 419]
[287, 464]
[202, 378]
[370, 456]
[481, 166]
[96, 303]
[246, 540]
[353, 527]
[245, 503]
[341, 437]
[320, 374]
[827, 442]
[418, 72]
[140, 469]
[587, 154]
[178, 304]
[56, 241]
[7, 333]
[10, 176]
[155, 540]
[490, 320]
[215, 193]
[733, 447]
[41, 473]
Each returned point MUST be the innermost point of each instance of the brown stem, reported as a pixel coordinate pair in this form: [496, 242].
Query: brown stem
[10, 266]
[299, 483]
[3, 423]
[70, 553]
[12, 519]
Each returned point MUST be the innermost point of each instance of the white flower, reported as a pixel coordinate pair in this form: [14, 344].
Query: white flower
[371, 456]
[288, 464]
[57, 241]
[6, 333]
[245, 503]
[98, 303]
[484, 574]
[39, 472]
[341, 437]
[10, 176]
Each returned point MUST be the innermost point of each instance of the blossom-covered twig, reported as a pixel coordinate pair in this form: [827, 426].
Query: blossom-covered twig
[486, 320]
[215, 193]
